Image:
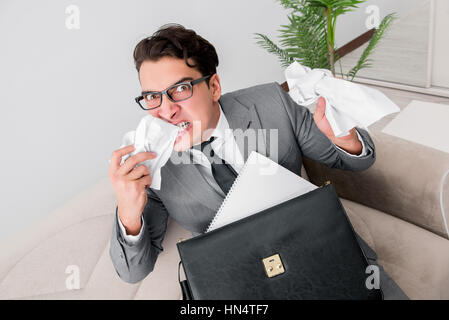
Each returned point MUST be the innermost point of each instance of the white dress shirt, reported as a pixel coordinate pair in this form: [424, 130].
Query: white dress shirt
[225, 146]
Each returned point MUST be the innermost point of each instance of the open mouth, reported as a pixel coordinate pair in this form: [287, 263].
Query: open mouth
[183, 125]
[185, 128]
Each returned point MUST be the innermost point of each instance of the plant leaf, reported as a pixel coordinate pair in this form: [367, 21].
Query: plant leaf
[364, 61]
[271, 47]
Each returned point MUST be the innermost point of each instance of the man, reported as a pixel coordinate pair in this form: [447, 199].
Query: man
[180, 85]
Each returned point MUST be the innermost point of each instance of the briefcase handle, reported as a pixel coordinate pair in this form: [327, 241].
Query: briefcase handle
[185, 289]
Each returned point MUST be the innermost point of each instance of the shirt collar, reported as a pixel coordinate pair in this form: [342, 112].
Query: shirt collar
[222, 125]
[224, 139]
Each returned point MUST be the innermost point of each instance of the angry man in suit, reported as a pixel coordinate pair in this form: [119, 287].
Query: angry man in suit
[180, 85]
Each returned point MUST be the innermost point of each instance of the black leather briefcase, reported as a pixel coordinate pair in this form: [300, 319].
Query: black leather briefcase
[304, 248]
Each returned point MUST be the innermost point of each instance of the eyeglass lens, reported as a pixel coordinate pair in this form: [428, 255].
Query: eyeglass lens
[179, 92]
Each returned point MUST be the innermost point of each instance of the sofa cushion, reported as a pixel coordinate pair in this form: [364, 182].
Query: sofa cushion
[47, 265]
[407, 180]
[97, 200]
[415, 258]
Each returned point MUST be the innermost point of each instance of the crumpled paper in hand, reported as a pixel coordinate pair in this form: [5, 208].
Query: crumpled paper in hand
[347, 104]
[155, 135]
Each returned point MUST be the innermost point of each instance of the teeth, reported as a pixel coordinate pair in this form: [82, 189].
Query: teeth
[183, 125]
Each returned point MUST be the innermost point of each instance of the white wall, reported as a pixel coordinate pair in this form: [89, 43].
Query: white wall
[66, 96]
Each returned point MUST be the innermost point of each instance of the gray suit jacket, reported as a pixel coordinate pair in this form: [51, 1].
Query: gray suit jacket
[189, 199]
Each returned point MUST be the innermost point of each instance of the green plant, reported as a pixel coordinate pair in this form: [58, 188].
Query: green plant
[310, 36]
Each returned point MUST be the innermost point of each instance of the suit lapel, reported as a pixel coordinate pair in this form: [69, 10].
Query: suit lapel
[194, 184]
[244, 118]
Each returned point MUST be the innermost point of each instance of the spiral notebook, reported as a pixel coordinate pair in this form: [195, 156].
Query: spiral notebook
[261, 184]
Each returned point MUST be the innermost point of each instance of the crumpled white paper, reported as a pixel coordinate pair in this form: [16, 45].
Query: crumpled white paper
[155, 135]
[347, 104]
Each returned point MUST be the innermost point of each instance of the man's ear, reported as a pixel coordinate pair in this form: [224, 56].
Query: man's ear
[215, 87]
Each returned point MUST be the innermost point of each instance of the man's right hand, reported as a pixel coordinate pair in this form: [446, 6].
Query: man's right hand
[129, 184]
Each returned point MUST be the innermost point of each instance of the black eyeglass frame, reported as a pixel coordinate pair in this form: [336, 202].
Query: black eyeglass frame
[161, 93]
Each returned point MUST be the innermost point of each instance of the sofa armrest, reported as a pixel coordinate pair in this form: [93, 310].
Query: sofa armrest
[407, 180]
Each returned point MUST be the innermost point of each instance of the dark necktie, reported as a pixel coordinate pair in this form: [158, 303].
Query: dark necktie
[222, 172]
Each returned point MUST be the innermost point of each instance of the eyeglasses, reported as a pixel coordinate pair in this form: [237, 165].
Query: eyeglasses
[178, 92]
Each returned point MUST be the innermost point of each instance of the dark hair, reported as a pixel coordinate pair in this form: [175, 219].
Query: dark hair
[176, 41]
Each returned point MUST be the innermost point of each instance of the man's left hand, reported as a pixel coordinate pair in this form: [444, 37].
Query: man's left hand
[350, 143]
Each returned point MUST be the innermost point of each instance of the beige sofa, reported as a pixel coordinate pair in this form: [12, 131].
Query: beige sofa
[397, 206]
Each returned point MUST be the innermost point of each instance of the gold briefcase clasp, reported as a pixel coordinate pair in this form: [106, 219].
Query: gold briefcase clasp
[273, 265]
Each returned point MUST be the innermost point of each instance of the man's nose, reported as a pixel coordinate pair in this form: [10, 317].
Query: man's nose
[168, 109]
